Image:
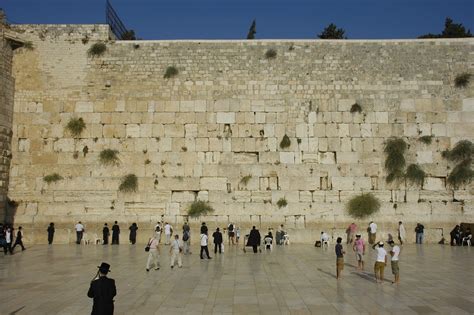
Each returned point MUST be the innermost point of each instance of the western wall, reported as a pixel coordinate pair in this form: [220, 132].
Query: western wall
[221, 119]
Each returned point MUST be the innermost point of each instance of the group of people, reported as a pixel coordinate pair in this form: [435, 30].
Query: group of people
[7, 235]
[460, 237]
[80, 230]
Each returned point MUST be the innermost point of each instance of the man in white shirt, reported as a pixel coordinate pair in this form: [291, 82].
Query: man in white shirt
[204, 248]
[395, 253]
[402, 233]
[168, 231]
[79, 232]
[324, 240]
[380, 262]
[175, 251]
[372, 232]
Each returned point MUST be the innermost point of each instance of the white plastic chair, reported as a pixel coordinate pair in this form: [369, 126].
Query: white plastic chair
[286, 239]
[97, 239]
[268, 243]
[85, 239]
[466, 239]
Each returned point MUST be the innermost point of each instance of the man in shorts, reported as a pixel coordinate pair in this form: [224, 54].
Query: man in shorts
[359, 249]
[339, 258]
[395, 253]
[380, 262]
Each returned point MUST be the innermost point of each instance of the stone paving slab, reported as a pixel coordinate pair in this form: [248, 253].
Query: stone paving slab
[296, 279]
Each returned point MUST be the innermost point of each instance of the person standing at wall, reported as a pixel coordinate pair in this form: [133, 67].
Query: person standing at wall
[395, 253]
[237, 235]
[79, 232]
[351, 230]
[153, 253]
[103, 291]
[186, 239]
[115, 233]
[133, 233]
[168, 232]
[419, 230]
[175, 251]
[372, 230]
[105, 234]
[254, 239]
[402, 234]
[19, 239]
[217, 235]
[50, 231]
[8, 240]
[380, 262]
[231, 232]
[339, 258]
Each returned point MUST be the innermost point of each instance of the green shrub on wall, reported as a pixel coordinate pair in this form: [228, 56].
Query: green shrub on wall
[395, 161]
[52, 178]
[129, 183]
[97, 49]
[462, 80]
[285, 142]
[170, 72]
[199, 208]
[109, 157]
[245, 180]
[362, 206]
[270, 54]
[415, 175]
[356, 108]
[426, 139]
[282, 203]
[462, 154]
[75, 126]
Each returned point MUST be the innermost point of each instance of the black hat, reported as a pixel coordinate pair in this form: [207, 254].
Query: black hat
[104, 268]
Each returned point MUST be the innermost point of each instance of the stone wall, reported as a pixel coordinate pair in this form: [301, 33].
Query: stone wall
[222, 118]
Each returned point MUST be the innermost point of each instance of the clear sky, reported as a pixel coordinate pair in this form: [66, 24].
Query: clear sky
[230, 19]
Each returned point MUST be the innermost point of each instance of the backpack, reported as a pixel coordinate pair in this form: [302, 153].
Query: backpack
[231, 228]
[185, 236]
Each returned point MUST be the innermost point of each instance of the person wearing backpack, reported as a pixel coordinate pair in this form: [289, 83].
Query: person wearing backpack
[231, 232]
[186, 239]
[419, 230]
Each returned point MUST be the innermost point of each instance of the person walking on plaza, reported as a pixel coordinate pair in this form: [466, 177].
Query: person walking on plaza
[351, 231]
[168, 232]
[158, 231]
[175, 251]
[217, 241]
[133, 233]
[50, 231]
[254, 239]
[204, 243]
[402, 233]
[153, 253]
[372, 230]
[231, 232]
[79, 232]
[186, 239]
[115, 233]
[359, 249]
[395, 253]
[381, 262]
[339, 258]
[19, 239]
[8, 240]
[105, 234]
[103, 291]
[419, 230]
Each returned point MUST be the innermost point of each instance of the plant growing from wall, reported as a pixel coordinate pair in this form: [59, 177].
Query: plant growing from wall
[109, 157]
[426, 139]
[52, 178]
[395, 161]
[170, 72]
[270, 54]
[97, 49]
[356, 108]
[362, 206]
[415, 175]
[462, 80]
[282, 202]
[199, 208]
[129, 183]
[462, 173]
[75, 126]
[28, 45]
[245, 180]
[285, 142]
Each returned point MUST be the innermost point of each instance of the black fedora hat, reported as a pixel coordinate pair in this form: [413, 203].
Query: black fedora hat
[104, 267]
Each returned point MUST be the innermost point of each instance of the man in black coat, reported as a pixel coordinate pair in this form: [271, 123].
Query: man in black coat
[105, 234]
[254, 239]
[103, 291]
[203, 228]
[115, 233]
[217, 235]
[50, 233]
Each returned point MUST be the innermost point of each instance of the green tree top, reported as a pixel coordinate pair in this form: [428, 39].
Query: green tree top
[451, 30]
[332, 32]
[252, 30]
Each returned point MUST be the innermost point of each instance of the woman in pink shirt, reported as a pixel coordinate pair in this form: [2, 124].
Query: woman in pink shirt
[359, 248]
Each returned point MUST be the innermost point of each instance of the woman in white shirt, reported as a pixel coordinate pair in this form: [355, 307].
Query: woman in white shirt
[153, 254]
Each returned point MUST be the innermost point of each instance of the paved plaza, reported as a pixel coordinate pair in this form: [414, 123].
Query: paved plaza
[295, 279]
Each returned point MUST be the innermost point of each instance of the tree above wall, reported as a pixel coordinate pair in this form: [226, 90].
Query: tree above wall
[332, 32]
[451, 30]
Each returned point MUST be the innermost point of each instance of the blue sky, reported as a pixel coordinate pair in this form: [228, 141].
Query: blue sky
[230, 19]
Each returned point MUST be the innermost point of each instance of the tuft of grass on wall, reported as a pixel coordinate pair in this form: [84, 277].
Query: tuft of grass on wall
[170, 72]
[285, 142]
[462, 174]
[426, 139]
[415, 175]
[199, 208]
[356, 108]
[97, 49]
[109, 157]
[362, 206]
[270, 53]
[394, 159]
[462, 80]
[28, 45]
[129, 183]
[52, 178]
[463, 150]
[282, 202]
[245, 180]
[75, 126]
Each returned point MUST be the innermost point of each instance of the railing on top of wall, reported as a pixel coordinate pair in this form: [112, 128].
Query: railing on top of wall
[116, 25]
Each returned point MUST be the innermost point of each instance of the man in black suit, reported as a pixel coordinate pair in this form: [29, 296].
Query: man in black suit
[115, 233]
[105, 234]
[102, 290]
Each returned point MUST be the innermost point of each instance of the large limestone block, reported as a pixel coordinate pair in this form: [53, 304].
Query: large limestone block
[468, 104]
[84, 107]
[225, 118]
[327, 158]
[183, 196]
[287, 157]
[213, 183]
[424, 157]
[434, 183]
[342, 183]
